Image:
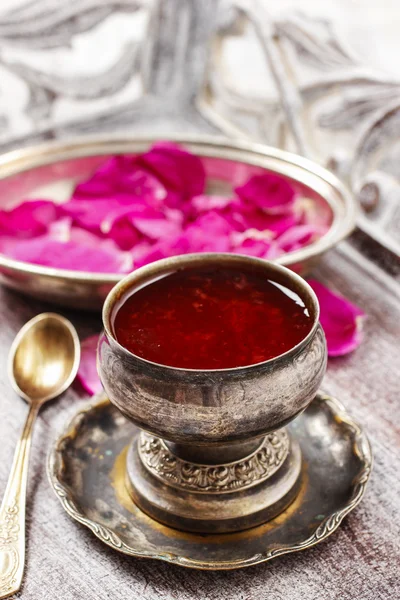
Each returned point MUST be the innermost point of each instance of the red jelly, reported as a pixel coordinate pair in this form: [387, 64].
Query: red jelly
[211, 319]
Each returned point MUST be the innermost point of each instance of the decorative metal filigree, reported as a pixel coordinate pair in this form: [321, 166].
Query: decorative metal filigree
[238, 475]
[9, 528]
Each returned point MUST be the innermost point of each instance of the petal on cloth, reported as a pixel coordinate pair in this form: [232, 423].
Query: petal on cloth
[87, 373]
[341, 320]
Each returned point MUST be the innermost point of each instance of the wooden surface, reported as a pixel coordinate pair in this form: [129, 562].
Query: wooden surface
[362, 560]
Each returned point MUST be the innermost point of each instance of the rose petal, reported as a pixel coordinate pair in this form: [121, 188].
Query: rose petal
[270, 192]
[205, 203]
[127, 227]
[87, 373]
[90, 217]
[156, 228]
[209, 233]
[71, 255]
[153, 205]
[63, 231]
[250, 247]
[98, 215]
[313, 212]
[299, 236]
[179, 170]
[29, 219]
[121, 176]
[340, 319]
[276, 224]
[124, 234]
[255, 243]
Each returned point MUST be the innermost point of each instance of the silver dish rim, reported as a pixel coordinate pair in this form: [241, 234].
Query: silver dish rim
[290, 165]
[361, 447]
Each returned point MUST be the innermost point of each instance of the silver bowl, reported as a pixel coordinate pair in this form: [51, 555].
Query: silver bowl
[221, 406]
[218, 428]
[24, 171]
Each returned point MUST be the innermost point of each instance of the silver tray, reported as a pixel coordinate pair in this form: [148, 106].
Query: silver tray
[86, 469]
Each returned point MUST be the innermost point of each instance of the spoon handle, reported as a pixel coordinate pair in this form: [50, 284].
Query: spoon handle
[12, 514]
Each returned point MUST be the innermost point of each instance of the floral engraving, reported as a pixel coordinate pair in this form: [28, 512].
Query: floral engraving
[242, 474]
[9, 554]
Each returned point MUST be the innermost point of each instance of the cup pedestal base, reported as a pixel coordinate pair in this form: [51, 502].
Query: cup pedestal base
[186, 488]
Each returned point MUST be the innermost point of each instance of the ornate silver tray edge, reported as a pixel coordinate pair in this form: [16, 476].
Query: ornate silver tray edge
[328, 526]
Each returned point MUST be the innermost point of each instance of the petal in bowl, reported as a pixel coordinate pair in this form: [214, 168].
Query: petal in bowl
[72, 255]
[269, 192]
[29, 219]
[179, 170]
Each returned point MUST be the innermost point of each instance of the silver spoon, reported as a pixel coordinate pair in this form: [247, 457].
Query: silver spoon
[43, 362]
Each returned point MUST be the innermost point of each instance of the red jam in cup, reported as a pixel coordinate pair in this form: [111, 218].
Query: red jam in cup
[211, 318]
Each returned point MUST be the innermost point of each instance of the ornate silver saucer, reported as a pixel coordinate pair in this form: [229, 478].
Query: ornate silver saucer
[88, 474]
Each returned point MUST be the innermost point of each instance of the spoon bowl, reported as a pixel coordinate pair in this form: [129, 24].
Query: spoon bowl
[44, 358]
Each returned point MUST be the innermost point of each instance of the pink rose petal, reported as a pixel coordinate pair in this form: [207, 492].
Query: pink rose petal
[71, 255]
[205, 203]
[121, 177]
[124, 234]
[180, 171]
[209, 233]
[138, 208]
[272, 193]
[98, 215]
[298, 236]
[156, 228]
[255, 243]
[88, 214]
[129, 226]
[87, 372]
[29, 219]
[257, 219]
[250, 247]
[340, 319]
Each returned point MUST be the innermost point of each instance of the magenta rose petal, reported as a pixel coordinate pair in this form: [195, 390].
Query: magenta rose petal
[71, 255]
[341, 320]
[156, 228]
[93, 214]
[207, 202]
[255, 243]
[145, 186]
[89, 216]
[298, 236]
[29, 219]
[130, 182]
[179, 170]
[87, 373]
[269, 192]
[251, 247]
[7, 244]
[209, 233]
[276, 224]
[153, 253]
[129, 226]
[124, 234]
